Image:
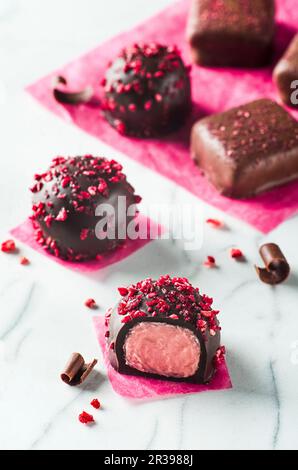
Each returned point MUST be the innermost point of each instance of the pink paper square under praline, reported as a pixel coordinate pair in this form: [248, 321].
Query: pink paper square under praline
[25, 234]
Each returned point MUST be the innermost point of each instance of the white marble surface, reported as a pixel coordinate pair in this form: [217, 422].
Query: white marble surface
[42, 313]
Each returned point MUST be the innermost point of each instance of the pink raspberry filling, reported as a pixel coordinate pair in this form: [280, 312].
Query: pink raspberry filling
[163, 349]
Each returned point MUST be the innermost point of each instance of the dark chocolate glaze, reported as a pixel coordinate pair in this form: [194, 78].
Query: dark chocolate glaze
[147, 90]
[179, 304]
[236, 33]
[65, 198]
[286, 72]
[248, 149]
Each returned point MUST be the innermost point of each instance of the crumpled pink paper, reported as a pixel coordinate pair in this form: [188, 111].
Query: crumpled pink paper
[143, 388]
[213, 90]
[25, 234]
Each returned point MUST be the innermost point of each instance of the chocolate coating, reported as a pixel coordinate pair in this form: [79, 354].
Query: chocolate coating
[147, 90]
[168, 300]
[248, 149]
[285, 75]
[236, 33]
[65, 198]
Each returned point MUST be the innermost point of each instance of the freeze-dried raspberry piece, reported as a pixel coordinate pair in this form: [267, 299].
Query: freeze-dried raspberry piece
[86, 418]
[8, 246]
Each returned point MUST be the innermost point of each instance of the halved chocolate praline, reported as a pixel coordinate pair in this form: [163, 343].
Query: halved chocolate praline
[179, 305]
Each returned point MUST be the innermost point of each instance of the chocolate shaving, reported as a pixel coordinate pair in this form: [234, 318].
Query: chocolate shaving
[68, 97]
[276, 268]
[76, 370]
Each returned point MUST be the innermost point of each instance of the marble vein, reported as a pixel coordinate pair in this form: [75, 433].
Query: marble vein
[276, 317]
[181, 423]
[19, 315]
[277, 402]
[20, 343]
[237, 288]
[153, 435]
[49, 425]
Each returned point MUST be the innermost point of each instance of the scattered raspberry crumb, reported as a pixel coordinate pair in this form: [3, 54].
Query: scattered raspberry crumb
[215, 223]
[236, 253]
[86, 418]
[210, 262]
[8, 246]
[95, 403]
[90, 303]
[24, 261]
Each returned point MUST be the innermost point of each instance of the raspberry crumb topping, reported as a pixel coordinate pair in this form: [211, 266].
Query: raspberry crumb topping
[86, 418]
[8, 246]
[123, 291]
[210, 262]
[90, 303]
[95, 403]
[169, 297]
[236, 253]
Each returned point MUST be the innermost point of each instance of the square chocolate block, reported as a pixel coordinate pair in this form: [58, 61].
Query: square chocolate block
[248, 149]
[236, 33]
[285, 75]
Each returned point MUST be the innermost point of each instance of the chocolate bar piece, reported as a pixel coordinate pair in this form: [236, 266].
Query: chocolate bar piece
[231, 32]
[248, 149]
[285, 75]
[164, 329]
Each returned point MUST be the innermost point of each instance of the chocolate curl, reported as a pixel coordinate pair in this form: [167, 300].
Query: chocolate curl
[76, 370]
[67, 97]
[276, 268]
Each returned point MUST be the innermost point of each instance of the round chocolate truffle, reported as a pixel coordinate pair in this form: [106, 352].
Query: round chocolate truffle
[164, 329]
[147, 90]
[66, 198]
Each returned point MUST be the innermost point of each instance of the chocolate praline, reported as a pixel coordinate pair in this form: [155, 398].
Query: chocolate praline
[285, 75]
[164, 329]
[248, 149]
[65, 199]
[231, 33]
[147, 90]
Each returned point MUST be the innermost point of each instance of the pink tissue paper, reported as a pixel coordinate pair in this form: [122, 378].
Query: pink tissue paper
[25, 234]
[213, 90]
[143, 388]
